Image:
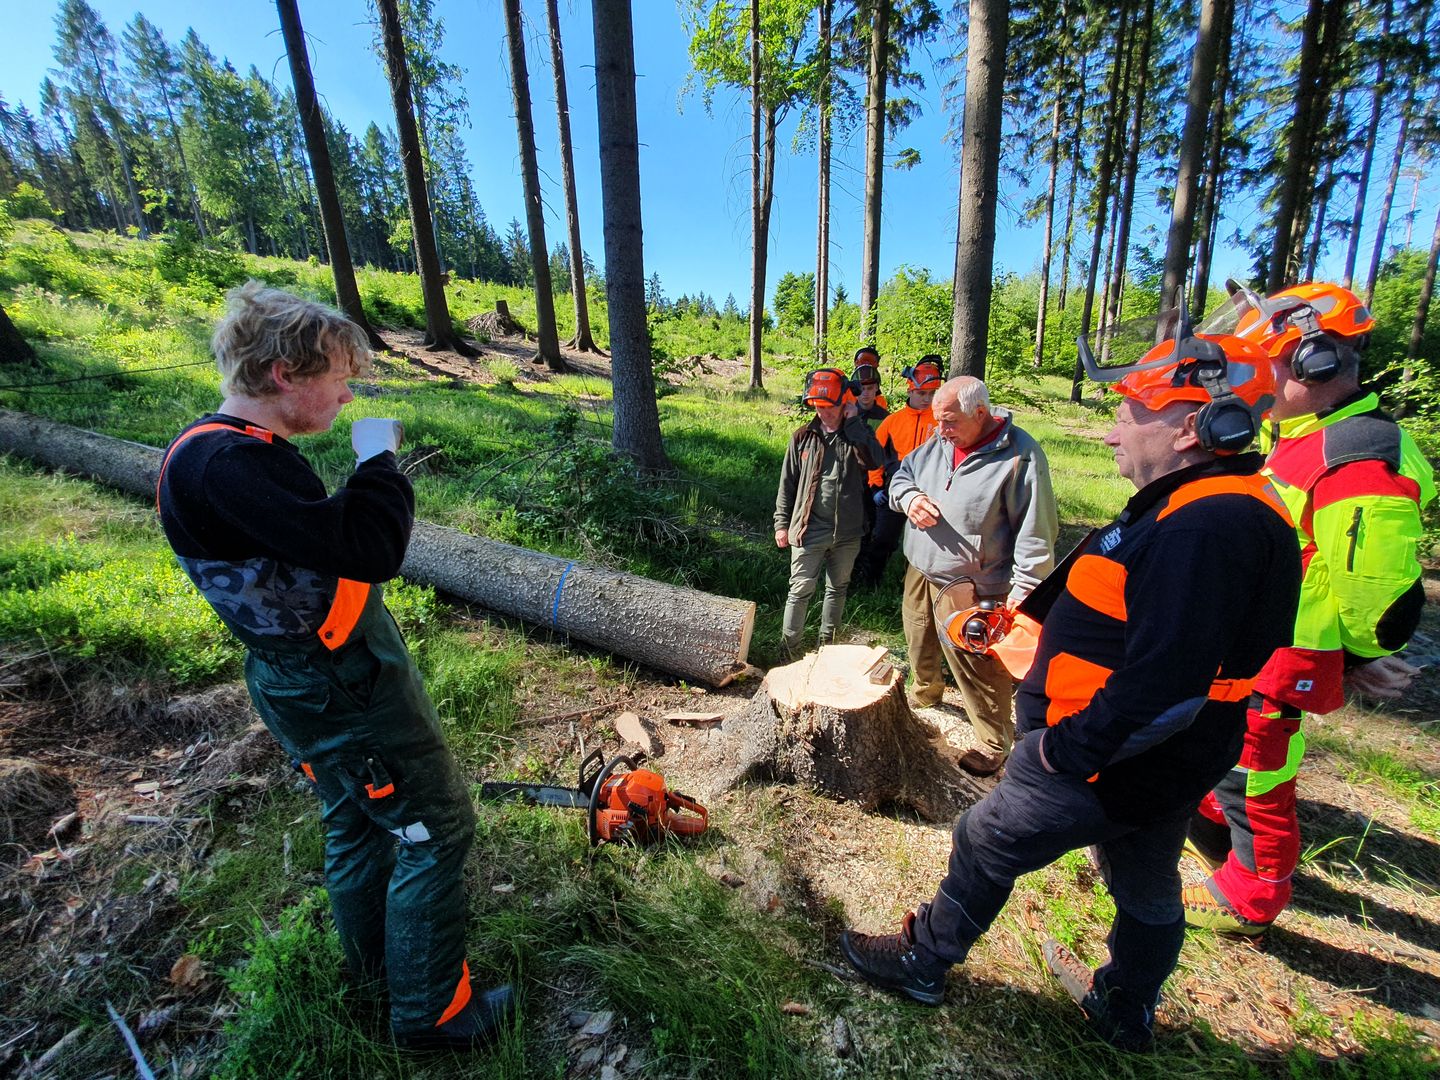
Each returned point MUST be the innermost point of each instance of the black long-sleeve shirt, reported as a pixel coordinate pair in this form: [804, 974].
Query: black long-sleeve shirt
[1181, 591]
[255, 529]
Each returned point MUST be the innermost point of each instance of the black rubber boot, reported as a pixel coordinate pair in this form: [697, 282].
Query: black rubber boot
[893, 962]
[474, 1027]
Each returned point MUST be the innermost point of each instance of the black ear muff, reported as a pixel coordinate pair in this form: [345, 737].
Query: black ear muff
[1224, 424]
[1316, 358]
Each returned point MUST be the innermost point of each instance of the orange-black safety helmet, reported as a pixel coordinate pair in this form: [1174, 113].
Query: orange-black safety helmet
[1231, 378]
[826, 386]
[925, 376]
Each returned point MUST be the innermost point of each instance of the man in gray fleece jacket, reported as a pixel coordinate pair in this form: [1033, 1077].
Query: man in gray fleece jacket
[820, 506]
[978, 499]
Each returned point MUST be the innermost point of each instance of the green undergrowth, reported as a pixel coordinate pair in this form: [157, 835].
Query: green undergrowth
[1417, 790]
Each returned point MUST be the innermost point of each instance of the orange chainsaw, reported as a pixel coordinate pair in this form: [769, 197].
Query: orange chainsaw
[632, 805]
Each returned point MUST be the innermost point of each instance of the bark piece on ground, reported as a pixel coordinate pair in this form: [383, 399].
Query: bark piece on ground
[631, 729]
[821, 722]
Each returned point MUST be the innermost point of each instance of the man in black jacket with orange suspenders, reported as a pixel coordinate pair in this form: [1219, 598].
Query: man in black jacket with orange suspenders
[294, 573]
[1134, 704]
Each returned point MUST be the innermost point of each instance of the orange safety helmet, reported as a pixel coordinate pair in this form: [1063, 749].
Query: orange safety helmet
[1233, 379]
[1304, 326]
[827, 386]
[926, 375]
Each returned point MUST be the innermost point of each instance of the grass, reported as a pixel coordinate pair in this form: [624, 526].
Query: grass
[695, 972]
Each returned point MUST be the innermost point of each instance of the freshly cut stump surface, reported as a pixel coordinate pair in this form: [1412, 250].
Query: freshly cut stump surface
[821, 722]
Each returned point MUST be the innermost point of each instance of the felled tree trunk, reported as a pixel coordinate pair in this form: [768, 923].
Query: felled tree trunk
[822, 723]
[689, 633]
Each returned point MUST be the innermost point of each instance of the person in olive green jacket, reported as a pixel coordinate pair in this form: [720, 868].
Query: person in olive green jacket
[820, 505]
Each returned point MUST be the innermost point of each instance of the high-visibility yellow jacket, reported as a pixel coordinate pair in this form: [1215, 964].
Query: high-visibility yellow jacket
[1355, 484]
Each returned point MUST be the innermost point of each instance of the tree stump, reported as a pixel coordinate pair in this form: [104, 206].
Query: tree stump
[497, 323]
[821, 722]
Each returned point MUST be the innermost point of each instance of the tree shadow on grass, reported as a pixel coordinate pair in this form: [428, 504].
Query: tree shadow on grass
[1320, 897]
[1387, 982]
[1365, 842]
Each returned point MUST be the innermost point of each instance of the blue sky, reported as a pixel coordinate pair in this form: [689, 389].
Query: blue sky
[694, 167]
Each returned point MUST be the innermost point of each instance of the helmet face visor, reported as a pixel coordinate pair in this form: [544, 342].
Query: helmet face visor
[1148, 341]
[1244, 314]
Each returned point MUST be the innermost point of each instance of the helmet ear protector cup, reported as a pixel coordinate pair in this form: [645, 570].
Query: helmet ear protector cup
[1225, 424]
[1316, 357]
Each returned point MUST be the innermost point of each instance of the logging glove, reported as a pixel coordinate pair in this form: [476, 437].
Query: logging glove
[372, 435]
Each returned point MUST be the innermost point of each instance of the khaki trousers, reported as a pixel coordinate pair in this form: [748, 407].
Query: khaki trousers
[985, 686]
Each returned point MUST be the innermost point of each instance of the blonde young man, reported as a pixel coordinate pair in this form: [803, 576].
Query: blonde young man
[293, 572]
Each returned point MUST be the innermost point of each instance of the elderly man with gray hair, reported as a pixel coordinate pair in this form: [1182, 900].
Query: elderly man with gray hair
[979, 505]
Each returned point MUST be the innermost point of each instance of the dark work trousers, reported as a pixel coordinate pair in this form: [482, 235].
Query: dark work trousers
[397, 813]
[1027, 822]
[884, 538]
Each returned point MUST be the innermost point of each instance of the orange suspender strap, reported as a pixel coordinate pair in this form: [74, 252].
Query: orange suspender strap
[350, 596]
[249, 429]
[461, 998]
[345, 612]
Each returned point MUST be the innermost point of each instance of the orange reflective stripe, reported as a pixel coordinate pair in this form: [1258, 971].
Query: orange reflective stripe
[1070, 683]
[345, 610]
[379, 793]
[461, 998]
[308, 771]
[1230, 689]
[248, 429]
[1099, 584]
[1256, 486]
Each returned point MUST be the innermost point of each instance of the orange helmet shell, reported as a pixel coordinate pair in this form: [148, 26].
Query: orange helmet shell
[827, 386]
[1248, 369]
[1339, 312]
[924, 376]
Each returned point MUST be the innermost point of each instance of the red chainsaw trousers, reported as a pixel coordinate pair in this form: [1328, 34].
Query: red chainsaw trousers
[1256, 803]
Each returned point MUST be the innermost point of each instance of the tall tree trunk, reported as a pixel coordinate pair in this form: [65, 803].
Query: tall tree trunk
[439, 331]
[583, 340]
[545, 330]
[1422, 312]
[1181, 236]
[876, 80]
[637, 419]
[1318, 50]
[14, 349]
[1109, 151]
[1076, 148]
[112, 114]
[757, 235]
[312, 124]
[1367, 157]
[1132, 168]
[1214, 167]
[1047, 251]
[1111, 283]
[822, 231]
[184, 165]
[979, 183]
[1382, 228]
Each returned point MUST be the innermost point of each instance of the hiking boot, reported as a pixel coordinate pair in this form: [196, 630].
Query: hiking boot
[981, 763]
[474, 1027]
[1192, 851]
[1203, 909]
[891, 961]
[1125, 1029]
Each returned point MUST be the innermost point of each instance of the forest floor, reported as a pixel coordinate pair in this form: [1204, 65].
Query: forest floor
[178, 824]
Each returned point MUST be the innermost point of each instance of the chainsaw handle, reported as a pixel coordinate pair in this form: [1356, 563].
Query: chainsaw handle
[692, 824]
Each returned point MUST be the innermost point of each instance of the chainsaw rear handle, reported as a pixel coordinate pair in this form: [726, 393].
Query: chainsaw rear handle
[680, 815]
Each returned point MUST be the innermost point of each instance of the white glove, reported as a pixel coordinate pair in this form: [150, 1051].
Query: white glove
[1386, 678]
[371, 435]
